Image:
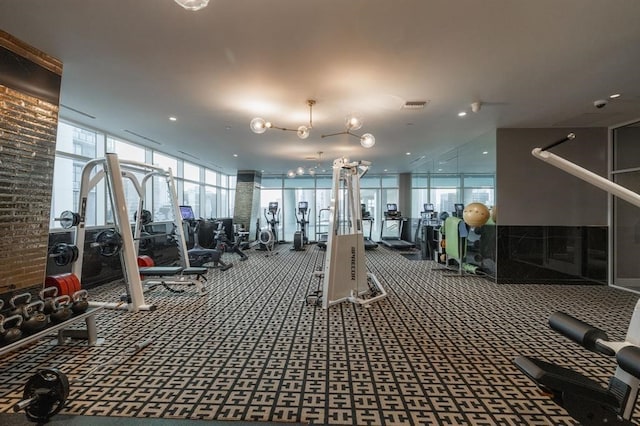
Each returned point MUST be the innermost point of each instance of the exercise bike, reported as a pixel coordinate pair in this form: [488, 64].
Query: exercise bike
[221, 239]
[201, 256]
[300, 238]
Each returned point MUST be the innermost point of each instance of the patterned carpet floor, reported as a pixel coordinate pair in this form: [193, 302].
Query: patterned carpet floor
[438, 350]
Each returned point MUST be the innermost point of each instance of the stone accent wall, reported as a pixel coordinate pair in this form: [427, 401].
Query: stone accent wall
[28, 127]
[247, 203]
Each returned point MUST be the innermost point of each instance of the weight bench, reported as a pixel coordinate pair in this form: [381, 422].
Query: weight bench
[177, 276]
[585, 399]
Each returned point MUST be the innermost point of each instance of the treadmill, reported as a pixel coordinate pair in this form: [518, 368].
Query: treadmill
[396, 242]
[366, 217]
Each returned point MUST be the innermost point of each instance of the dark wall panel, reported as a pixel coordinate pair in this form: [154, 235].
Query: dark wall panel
[532, 192]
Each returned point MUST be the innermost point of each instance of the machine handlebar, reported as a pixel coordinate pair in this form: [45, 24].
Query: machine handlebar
[580, 332]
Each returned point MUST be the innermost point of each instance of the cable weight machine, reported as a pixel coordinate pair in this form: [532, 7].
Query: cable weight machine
[344, 276]
[585, 399]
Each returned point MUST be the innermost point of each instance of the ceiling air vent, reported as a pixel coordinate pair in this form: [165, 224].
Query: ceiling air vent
[414, 104]
[78, 111]
[142, 137]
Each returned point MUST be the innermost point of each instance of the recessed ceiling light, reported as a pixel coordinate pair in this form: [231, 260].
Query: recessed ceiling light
[408, 153]
[173, 119]
[615, 95]
[462, 114]
[386, 170]
[439, 170]
[485, 152]
[235, 155]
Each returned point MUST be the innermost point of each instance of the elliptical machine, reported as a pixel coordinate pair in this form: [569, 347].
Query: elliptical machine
[300, 238]
[269, 237]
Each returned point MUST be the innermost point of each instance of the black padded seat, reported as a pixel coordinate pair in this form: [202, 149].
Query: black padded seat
[194, 270]
[559, 380]
[202, 252]
[160, 271]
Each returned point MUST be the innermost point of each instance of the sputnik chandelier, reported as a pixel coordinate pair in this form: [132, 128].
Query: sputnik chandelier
[353, 122]
[299, 171]
[260, 125]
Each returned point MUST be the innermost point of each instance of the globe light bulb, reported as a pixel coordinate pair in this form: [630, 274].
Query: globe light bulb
[353, 122]
[367, 140]
[303, 132]
[300, 171]
[291, 173]
[258, 125]
[312, 171]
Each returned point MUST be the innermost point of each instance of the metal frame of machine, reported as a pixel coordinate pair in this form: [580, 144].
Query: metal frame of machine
[113, 170]
[344, 276]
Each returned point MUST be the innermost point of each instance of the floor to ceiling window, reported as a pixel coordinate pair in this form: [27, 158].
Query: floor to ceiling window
[209, 192]
[625, 227]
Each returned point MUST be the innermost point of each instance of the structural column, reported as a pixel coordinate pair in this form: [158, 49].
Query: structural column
[247, 202]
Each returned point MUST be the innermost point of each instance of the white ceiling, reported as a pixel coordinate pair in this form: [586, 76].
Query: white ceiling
[132, 64]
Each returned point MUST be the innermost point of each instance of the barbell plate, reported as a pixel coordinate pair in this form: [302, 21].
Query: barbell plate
[48, 390]
[145, 261]
[58, 281]
[69, 219]
[109, 242]
[67, 284]
[145, 218]
[76, 253]
[74, 283]
[63, 254]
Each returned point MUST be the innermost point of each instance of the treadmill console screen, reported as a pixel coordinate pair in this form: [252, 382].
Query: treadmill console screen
[303, 205]
[187, 213]
[392, 211]
[364, 212]
[428, 208]
[273, 207]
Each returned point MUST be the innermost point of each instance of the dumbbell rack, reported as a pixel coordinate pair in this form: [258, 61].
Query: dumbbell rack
[90, 333]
